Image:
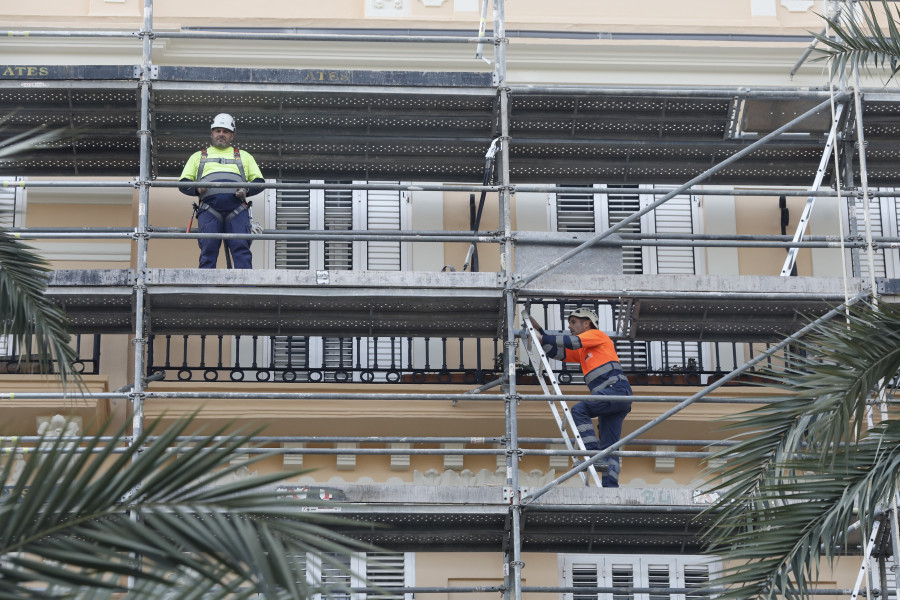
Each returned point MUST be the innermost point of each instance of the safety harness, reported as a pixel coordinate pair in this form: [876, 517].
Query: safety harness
[204, 159]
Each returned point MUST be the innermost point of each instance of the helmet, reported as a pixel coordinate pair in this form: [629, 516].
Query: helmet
[586, 313]
[223, 120]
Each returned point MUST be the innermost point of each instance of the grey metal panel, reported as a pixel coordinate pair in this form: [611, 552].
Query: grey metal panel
[432, 518]
[337, 77]
[284, 302]
[385, 303]
[540, 248]
[704, 307]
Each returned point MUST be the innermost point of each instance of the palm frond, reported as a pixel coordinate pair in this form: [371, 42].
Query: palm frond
[805, 465]
[861, 40]
[83, 511]
[39, 327]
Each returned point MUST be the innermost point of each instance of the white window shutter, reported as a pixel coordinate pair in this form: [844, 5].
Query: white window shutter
[634, 571]
[292, 213]
[339, 210]
[388, 570]
[7, 204]
[621, 575]
[593, 211]
[338, 216]
[583, 575]
[618, 208]
[674, 216]
[383, 212]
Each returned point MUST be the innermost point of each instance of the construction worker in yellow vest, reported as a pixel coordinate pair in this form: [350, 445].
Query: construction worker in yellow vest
[222, 209]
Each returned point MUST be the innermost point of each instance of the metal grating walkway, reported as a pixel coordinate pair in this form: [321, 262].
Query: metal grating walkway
[383, 303]
[417, 126]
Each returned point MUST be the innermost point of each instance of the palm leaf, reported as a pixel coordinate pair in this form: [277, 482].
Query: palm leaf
[805, 466]
[38, 326]
[71, 524]
[860, 41]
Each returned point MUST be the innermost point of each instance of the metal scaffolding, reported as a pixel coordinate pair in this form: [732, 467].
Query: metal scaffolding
[493, 519]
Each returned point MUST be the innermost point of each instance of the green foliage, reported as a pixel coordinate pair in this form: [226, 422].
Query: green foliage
[861, 40]
[38, 326]
[807, 466]
[82, 518]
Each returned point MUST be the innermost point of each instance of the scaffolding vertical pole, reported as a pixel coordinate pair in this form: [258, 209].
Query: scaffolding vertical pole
[895, 542]
[513, 552]
[140, 234]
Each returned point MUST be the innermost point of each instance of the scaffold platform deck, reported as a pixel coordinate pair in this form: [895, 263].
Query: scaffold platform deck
[303, 124]
[568, 519]
[462, 304]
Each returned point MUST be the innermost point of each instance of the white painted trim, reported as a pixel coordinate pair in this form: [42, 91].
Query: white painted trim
[83, 251]
[116, 196]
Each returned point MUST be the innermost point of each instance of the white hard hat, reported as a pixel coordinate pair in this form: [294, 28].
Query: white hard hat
[223, 120]
[586, 313]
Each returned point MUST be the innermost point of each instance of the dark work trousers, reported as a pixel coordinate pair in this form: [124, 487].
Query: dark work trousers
[209, 223]
[610, 416]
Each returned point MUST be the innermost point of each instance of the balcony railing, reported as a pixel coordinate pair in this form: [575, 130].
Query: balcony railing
[417, 360]
[87, 362]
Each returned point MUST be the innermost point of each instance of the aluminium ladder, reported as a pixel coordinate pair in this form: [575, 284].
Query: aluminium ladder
[558, 407]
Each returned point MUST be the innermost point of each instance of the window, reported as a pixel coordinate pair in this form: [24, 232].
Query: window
[594, 211]
[642, 572]
[339, 210]
[373, 569]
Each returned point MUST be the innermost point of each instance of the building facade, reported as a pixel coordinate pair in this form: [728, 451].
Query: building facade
[368, 318]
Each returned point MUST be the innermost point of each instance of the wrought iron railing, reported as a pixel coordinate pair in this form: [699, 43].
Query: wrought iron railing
[418, 360]
[87, 362]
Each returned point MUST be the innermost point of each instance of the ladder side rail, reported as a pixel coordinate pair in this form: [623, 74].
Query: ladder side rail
[561, 404]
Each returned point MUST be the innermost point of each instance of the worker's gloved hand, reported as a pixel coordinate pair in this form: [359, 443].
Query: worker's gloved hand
[201, 191]
[241, 194]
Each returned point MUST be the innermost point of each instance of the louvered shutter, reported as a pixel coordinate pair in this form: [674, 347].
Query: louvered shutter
[387, 569]
[578, 212]
[335, 573]
[622, 576]
[292, 213]
[338, 255]
[695, 577]
[675, 216]
[584, 575]
[338, 216]
[383, 212]
[619, 207]
[646, 571]
[659, 576]
[338, 210]
[575, 212]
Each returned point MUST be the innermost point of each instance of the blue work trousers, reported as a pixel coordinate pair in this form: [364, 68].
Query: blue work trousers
[610, 416]
[209, 223]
